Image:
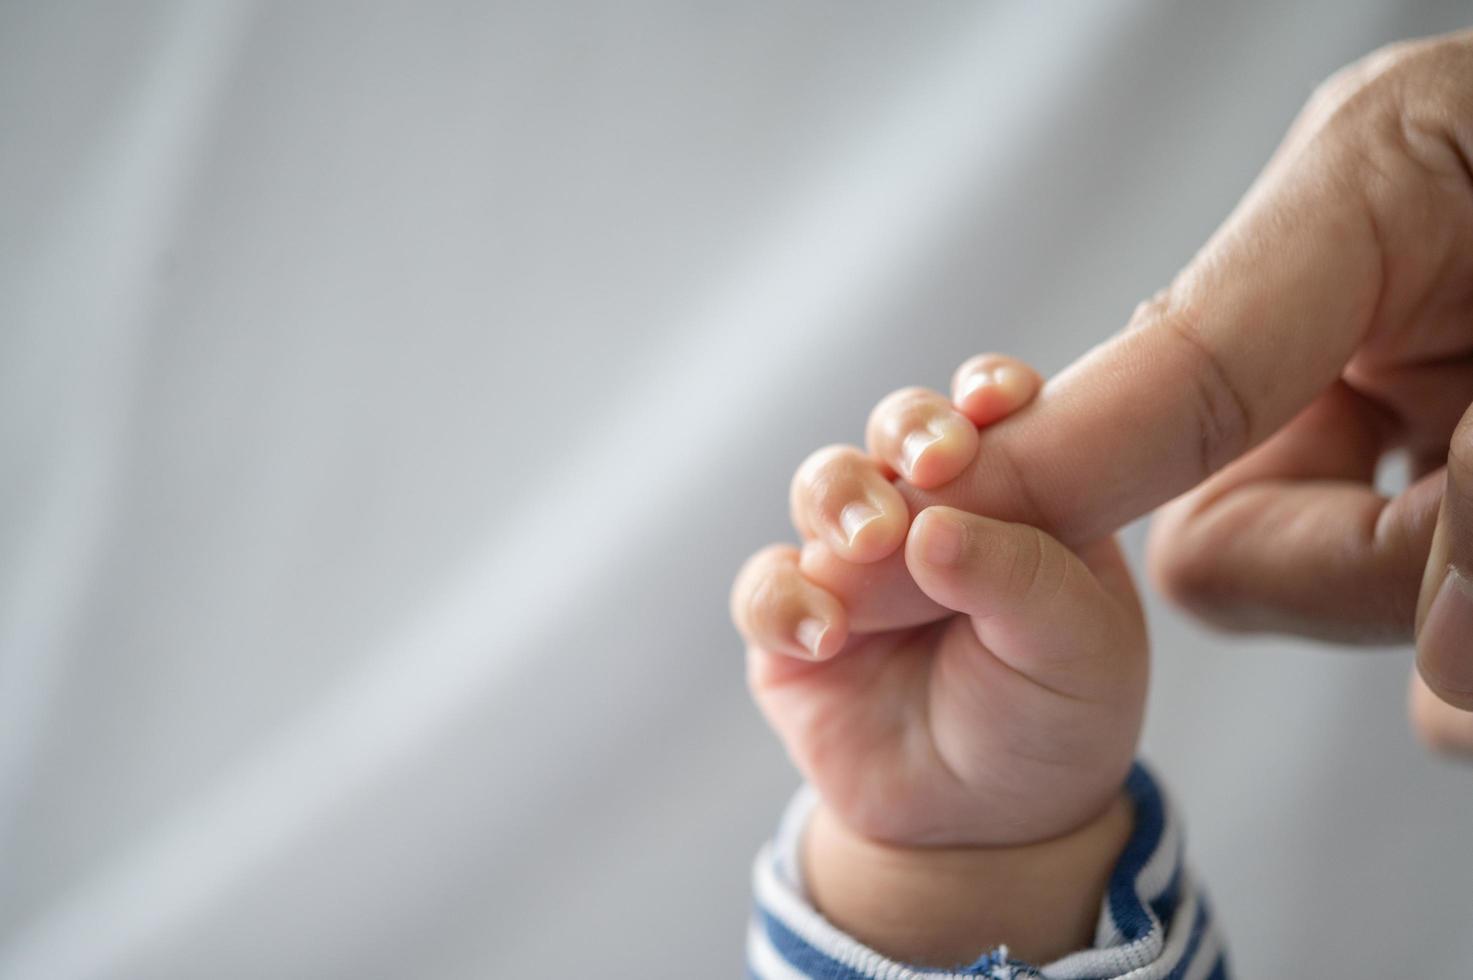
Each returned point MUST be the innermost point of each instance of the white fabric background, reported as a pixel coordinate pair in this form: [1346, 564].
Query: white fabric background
[388, 394]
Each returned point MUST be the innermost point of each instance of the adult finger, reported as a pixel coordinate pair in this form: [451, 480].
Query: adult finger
[1263, 320]
[1294, 537]
[1445, 609]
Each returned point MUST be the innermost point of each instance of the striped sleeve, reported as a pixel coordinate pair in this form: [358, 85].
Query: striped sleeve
[1155, 923]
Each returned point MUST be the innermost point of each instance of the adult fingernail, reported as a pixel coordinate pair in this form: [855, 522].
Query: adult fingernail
[855, 517]
[1448, 630]
[810, 633]
[942, 539]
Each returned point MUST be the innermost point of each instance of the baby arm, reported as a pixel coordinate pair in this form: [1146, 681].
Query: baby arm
[972, 773]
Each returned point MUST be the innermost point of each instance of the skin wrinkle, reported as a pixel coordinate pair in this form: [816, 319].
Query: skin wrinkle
[1077, 699]
[1379, 385]
[1461, 152]
[933, 679]
[1434, 62]
[1224, 417]
[1400, 128]
[1378, 235]
[1420, 140]
[1019, 486]
[1026, 566]
[1415, 139]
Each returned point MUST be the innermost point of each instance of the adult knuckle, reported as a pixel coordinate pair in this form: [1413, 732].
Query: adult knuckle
[1221, 412]
[1397, 78]
[1355, 101]
[1419, 57]
[1384, 67]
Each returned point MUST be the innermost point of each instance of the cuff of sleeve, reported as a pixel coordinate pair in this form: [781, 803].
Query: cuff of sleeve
[1154, 920]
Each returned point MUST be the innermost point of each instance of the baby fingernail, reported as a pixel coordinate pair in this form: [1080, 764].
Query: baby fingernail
[982, 379]
[1010, 378]
[810, 634]
[942, 539]
[1007, 378]
[914, 446]
[856, 517]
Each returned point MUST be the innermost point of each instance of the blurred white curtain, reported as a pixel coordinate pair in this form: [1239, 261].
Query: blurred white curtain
[389, 391]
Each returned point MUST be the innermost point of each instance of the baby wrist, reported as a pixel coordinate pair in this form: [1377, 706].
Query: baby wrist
[940, 906]
[1153, 917]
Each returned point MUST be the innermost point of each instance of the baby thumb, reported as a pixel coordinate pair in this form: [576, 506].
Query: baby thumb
[1033, 603]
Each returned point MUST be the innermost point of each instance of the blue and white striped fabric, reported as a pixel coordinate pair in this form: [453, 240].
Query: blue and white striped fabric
[1154, 922]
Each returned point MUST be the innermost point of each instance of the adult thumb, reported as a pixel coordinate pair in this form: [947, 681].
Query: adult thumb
[1445, 607]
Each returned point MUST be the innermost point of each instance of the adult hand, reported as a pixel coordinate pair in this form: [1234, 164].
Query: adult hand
[1293, 536]
[1327, 322]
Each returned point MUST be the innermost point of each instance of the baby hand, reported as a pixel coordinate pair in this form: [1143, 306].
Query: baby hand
[1011, 720]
